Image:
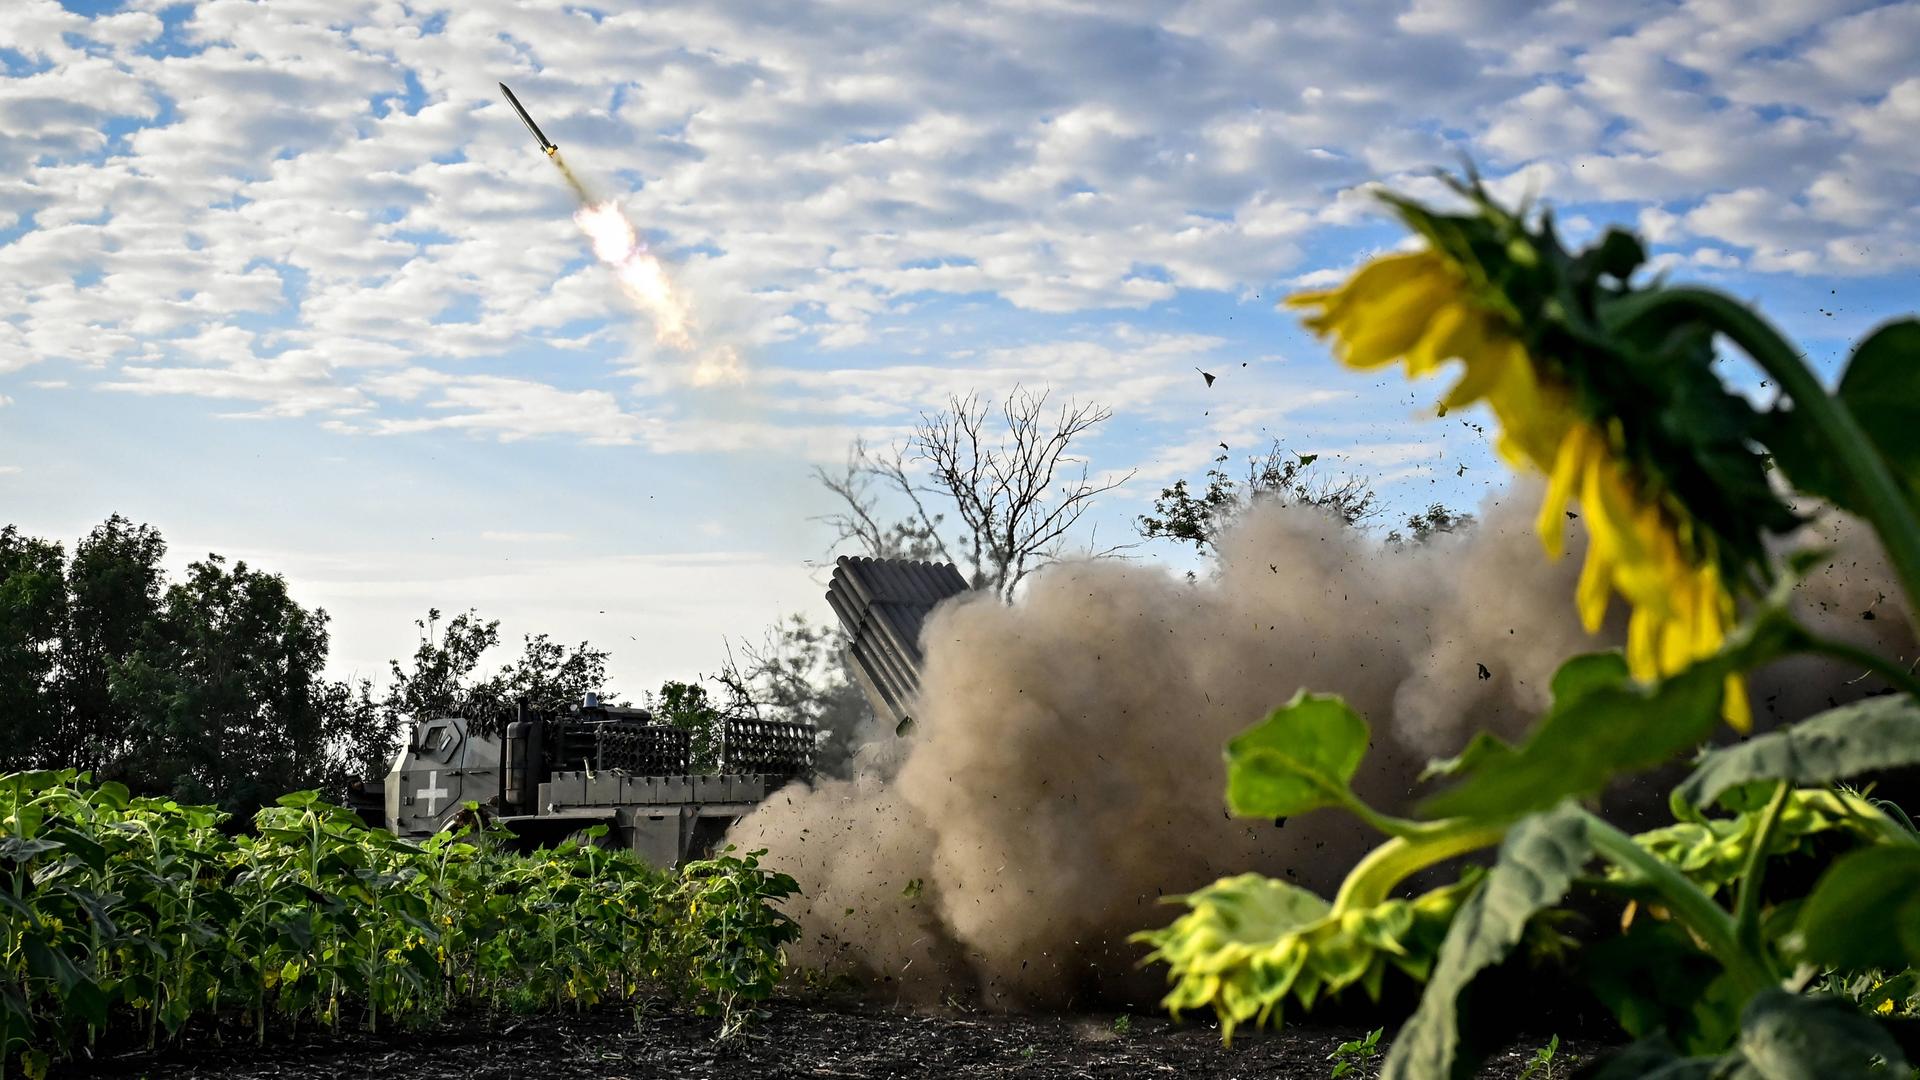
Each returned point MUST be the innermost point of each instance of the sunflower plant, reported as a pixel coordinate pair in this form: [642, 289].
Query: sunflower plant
[1690, 495]
[126, 920]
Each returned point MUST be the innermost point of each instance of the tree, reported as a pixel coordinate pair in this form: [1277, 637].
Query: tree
[1434, 521]
[33, 620]
[915, 537]
[362, 731]
[1005, 475]
[688, 706]
[1279, 476]
[114, 585]
[211, 688]
[550, 677]
[442, 681]
[803, 673]
[227, 692]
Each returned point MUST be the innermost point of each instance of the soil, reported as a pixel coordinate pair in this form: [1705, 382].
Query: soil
[792, 1040]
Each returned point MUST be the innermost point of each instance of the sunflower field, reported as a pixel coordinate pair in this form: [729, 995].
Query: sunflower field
[1691, 493]
[136, 919]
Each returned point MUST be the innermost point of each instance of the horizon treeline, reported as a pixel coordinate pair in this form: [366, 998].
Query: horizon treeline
[211, 688]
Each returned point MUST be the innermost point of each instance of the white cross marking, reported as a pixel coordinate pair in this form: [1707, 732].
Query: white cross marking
[433, 792]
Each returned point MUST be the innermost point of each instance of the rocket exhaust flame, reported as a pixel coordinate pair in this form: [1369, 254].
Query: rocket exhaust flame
[641, 274]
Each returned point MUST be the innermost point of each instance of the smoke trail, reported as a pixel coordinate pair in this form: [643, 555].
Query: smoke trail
[1066, 771]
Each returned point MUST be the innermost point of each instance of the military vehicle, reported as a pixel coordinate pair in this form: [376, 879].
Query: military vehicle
[547, 776]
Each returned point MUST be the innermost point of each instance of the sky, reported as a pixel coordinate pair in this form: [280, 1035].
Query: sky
[290, 281]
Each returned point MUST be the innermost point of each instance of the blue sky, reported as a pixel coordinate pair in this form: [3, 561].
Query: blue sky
[289, 281]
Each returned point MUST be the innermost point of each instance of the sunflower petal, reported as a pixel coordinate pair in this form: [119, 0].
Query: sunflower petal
[1551, 524]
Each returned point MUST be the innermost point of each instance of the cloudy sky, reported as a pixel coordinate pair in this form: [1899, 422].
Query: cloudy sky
[288, 280]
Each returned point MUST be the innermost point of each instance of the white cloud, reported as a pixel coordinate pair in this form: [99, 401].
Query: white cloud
[1545, 121]
[278, 230]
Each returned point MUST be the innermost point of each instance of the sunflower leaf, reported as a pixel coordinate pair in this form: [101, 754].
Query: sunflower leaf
[1301, 757]
[1878, 733]
[1601, 724]
[1787, 1036]
[1881, 388]
[1856, 914]
[1538, 861]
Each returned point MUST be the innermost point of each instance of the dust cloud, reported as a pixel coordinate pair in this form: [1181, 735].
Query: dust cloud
[1065, 771]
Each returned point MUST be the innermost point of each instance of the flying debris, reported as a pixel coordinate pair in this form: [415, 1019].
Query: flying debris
[539, 137]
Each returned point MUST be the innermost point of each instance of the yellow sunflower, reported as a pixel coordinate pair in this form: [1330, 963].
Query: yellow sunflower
[1419, 307]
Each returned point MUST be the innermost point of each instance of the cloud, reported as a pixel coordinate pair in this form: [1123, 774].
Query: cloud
[324, 214]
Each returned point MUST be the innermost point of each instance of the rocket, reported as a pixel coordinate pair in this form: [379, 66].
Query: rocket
[540, 138]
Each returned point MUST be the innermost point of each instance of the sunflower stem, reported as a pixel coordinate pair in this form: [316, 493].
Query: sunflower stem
[1883, 502]
[1401, 857]
[1708, 920]
[1746, 912]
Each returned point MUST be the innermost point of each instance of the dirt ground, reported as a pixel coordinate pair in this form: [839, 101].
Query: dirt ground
[793, 1040]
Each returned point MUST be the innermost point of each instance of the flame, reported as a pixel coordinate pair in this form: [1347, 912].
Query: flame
[640, 274]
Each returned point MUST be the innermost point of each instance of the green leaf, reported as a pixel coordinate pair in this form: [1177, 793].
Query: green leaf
[1658, 983]
[1577, 677]
[15, 849]
[1601, 724]
[1482, 750]
[1879, 733]
[1300, 758]
[1582, 676]
[1881, 388]
[48, 962]
[1788, 1037]
[1860, 909]
[1538, 861]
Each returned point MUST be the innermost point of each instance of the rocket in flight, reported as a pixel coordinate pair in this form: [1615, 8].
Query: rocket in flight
[538, 136]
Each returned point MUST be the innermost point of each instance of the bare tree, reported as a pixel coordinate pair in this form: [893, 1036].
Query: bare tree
[1004, 473]
[915, 537]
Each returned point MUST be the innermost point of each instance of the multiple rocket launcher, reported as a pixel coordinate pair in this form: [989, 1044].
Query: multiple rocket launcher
[548, 776]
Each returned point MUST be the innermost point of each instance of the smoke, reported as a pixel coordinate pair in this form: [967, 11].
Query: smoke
[1065, 771]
